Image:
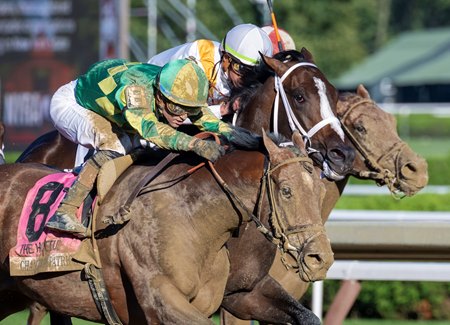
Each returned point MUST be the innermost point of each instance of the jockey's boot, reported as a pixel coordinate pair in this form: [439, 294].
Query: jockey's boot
[65, 218]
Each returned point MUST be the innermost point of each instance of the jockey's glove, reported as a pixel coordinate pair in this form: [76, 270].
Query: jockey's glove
[208, 149]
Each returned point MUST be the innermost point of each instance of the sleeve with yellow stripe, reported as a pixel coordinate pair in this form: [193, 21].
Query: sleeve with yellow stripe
[146, 124]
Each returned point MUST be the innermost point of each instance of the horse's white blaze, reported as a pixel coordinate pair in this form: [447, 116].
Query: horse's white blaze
[325, 108]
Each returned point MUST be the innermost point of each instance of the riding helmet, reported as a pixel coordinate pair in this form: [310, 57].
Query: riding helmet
[183, 82]
[245, 41]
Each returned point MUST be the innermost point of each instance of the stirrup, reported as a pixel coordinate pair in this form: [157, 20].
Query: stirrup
[63, 222]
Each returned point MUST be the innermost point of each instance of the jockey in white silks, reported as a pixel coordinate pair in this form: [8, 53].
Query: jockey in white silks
[231, 63]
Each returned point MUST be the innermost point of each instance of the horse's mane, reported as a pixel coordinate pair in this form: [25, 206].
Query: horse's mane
[244, 94]
[247, 140]
[349, 97]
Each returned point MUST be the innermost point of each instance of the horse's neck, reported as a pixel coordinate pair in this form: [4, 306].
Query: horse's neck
[242, 172]
[198, 201]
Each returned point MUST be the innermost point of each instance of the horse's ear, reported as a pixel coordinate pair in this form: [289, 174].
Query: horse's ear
[307, 55]
[271, 147]
[362, 91]
[275, 65]
[298, 142]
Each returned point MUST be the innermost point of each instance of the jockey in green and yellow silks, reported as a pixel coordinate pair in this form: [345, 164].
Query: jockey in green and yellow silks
[103, 90]
[117, 102]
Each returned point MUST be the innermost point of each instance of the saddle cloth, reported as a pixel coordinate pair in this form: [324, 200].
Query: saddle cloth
[39, 249]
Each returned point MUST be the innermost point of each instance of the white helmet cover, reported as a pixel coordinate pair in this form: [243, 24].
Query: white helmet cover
[245, 41]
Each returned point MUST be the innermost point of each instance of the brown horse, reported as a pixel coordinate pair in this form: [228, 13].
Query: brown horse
[168, 264]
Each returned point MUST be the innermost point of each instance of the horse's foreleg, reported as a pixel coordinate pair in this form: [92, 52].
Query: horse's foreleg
[228, 319]
[37, 313]
[162, 302]
[268, 302]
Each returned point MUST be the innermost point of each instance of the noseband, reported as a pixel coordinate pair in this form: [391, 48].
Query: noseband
[376, 172]
[294, 124]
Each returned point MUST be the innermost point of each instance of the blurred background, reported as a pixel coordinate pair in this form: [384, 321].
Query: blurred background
[399, 49]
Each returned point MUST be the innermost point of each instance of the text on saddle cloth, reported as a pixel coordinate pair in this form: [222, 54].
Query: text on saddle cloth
[38, 248]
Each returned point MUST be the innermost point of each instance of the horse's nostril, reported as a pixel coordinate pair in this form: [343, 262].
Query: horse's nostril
[408, 170]
[336, 154]
[314, 260]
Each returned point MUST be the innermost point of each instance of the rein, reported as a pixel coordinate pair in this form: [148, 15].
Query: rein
[294, 124]
[377, 172]
[281, 229]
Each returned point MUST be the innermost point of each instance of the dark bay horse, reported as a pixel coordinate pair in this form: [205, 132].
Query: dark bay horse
[299, 97]
[168, 264]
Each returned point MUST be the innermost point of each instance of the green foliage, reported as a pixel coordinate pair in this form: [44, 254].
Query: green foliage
[339, 34]
[439, 170]
[400, 300]
[11, 156]
[419, 202]
[425, 125]
[316, 27]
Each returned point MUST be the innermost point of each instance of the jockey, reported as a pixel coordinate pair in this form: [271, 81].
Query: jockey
[117, 102]
[286, 40]
[231, 63]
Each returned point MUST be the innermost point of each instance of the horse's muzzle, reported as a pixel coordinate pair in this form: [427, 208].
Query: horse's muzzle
[315, 258]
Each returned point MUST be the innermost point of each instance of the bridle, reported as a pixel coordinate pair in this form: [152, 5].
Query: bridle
[376, 171]
[282, 230]
[294, 124]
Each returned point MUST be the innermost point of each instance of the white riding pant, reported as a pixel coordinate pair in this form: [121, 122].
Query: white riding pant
[85, 127]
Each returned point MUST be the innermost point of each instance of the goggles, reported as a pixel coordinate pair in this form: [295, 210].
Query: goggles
[178, 110]
[239, 68]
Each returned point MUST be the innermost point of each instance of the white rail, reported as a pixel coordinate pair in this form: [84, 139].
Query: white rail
[411, 235]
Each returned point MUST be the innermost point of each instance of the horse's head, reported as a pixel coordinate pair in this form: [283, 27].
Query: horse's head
[306, 101]
[291, 181]
[381, 154]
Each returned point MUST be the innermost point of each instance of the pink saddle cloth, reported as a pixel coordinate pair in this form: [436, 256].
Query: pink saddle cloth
[39, 249]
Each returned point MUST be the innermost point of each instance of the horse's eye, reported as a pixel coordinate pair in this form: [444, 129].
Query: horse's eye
[360, 128]
[299, 98]
[286, 192]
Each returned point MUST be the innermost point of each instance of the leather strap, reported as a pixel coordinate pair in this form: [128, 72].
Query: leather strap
[122, 215]
[100, 294]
